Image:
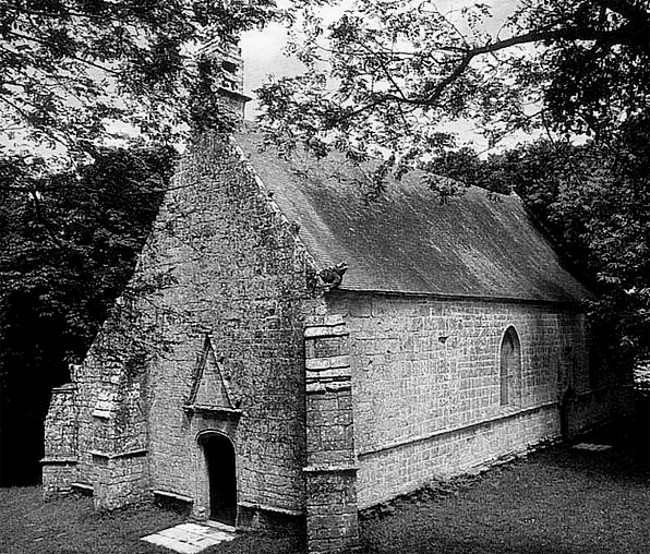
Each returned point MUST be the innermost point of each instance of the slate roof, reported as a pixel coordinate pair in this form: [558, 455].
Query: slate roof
[476, 245]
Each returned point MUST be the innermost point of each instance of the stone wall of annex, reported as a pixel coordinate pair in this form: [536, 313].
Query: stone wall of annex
[426, 384]
[109, 423]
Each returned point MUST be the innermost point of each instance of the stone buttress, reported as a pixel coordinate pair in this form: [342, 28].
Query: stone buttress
[61, 446]
[331, 470]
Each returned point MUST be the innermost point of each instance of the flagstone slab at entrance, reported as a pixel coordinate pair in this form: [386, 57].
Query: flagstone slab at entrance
[190, 538]
[592, 447]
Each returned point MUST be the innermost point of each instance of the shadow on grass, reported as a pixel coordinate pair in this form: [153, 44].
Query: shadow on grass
[557, 501]
[627, 460]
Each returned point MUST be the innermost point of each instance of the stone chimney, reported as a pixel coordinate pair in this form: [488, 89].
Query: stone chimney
[225, 54]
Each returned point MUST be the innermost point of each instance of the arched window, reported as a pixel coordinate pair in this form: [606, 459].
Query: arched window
[510, 366]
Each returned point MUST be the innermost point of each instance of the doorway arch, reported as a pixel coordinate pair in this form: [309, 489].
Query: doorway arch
[509, 367]
[220, 476]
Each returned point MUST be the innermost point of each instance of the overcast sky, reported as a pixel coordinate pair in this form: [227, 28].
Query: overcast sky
[262, 52]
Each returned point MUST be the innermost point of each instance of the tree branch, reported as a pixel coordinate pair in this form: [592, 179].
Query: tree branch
[617, 36]
[77, 58]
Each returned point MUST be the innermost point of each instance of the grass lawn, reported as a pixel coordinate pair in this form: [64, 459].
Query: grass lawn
[557, 501]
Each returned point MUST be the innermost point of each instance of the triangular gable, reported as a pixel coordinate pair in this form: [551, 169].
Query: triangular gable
[210, 388]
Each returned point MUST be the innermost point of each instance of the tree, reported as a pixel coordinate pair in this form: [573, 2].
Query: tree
[67, 251]
[597, 213]
[385, 76]
[389, 79]
[74, 72]
[73, 215]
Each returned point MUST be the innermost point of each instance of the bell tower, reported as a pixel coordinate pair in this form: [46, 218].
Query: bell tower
[225, 55]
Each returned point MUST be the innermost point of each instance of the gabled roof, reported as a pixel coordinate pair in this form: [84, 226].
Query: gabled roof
[476, 245]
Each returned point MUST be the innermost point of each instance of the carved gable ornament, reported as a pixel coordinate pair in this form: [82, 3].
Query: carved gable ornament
[211, 390]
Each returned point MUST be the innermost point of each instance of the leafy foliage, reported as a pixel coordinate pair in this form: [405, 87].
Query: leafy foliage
[391, 77]
[69, 246]
[596, 207]
[76, 71]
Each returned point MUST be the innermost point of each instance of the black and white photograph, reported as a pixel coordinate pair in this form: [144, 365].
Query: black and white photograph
[324, 277]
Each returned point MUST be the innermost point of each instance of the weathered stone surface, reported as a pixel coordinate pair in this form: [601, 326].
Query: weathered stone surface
[332, 400]
[240, 274]
[330, 473]
[61, 449]
[426, 388]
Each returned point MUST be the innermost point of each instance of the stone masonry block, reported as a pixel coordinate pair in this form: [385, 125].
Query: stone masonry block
[317, 364]
[323, 331]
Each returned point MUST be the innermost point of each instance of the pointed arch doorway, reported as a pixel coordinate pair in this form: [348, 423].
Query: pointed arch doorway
[220, 476]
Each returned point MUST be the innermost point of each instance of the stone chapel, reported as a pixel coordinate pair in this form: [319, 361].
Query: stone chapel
[287, 351]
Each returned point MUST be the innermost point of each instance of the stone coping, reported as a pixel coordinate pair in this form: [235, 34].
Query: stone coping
[116, 455]
[511, 413]
[267, 508]
[173, 495]
[67, 388]
[319, 387]
[330, 468]
[82, 486]
[331, 362]
[325, 331]
[213, 409]
[59, 460]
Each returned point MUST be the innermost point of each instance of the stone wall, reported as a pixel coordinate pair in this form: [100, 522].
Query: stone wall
[233, 268]
[111, 400]
[61, 451]
[96, 428]
[426, 384]
[120, 479]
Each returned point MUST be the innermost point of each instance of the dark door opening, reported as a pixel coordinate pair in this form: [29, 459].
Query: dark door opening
[220, 460]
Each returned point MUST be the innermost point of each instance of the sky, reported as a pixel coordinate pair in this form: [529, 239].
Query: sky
[263, 55]
[263, 50]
